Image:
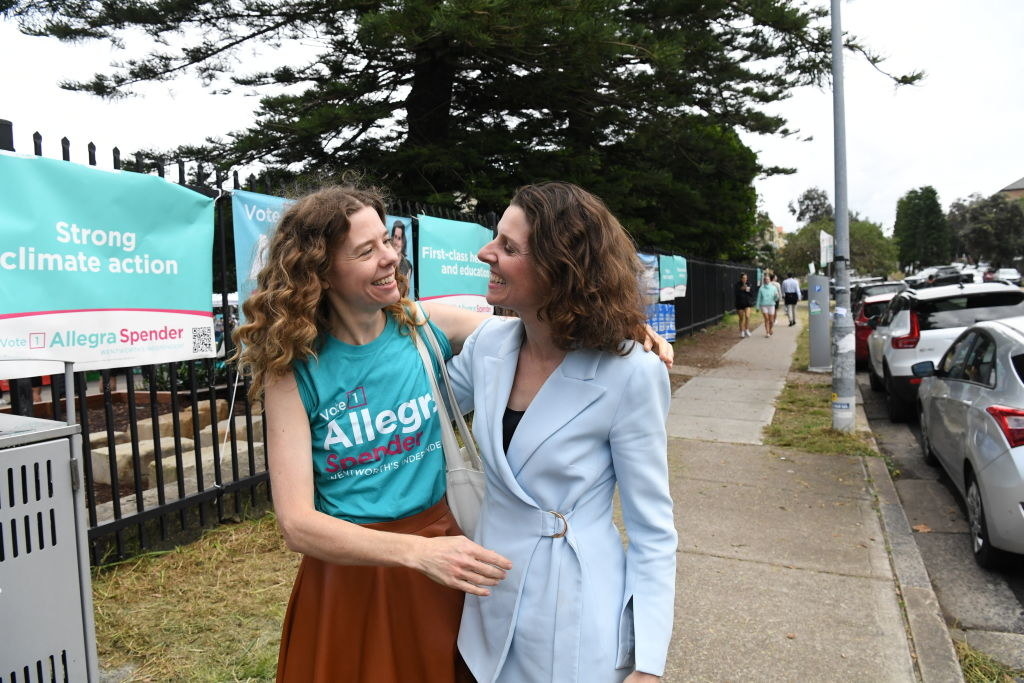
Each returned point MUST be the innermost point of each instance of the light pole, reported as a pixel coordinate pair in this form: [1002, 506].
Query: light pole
[843, 340]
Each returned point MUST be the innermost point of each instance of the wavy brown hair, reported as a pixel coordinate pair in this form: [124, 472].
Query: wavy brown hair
[588, 265]
[287, 314]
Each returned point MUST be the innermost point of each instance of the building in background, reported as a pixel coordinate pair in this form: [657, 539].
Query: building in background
[1014, 190]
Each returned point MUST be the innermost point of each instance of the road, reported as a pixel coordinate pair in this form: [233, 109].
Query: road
[985, 608]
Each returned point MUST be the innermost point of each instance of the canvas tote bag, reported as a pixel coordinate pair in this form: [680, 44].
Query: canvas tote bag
[463, 466]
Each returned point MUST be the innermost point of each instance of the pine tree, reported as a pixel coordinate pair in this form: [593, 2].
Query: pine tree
[921, 230]
[458, 102]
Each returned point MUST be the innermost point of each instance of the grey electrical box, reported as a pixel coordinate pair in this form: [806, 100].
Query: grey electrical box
[819, 330]
[45, 586]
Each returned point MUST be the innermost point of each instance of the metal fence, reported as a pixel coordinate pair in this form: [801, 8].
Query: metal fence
[710, 286]
[180, 448]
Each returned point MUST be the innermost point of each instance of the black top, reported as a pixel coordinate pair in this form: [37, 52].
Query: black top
[744, 299]
[509, 422]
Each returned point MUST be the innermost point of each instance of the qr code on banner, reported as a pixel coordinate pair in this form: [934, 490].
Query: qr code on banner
[202, 340]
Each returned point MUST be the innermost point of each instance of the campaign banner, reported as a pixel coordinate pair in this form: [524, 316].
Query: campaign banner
[649, 285]
[253, 217]
[680, 264]
[447, 265]
[667, 277]
[662, 319]
[102, 268]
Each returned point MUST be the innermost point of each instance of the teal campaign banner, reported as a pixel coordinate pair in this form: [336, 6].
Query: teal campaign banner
[680, 265]
[667, 277]
[105, 269]
[253, 217]
[447, 265]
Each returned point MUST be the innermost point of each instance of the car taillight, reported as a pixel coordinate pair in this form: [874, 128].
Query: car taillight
[909, 340]
[1011, 421]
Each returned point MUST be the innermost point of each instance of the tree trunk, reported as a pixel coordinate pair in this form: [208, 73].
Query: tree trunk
[429, 104]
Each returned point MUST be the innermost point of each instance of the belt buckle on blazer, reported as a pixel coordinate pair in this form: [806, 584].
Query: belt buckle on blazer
[565, 525]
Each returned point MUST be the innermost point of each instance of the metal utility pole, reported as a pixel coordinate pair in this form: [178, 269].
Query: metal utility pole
[843, 387]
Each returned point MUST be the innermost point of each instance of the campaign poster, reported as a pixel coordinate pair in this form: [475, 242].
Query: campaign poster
[400, 231]
[447, 265]
[101, 268]
[826, 245]
[667, 277]
[253, 217]
[680, 265]
[649, 277]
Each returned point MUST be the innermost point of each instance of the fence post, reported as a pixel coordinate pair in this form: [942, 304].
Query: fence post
[6, 135]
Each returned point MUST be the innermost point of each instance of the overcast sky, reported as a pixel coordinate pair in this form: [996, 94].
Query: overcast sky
[959, 131]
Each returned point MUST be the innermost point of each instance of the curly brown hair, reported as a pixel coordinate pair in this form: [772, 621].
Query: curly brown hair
[589, 267]
[287, 313]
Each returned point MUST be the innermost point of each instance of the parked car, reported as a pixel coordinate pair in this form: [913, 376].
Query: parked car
[944, 275]
[866, 310]
[1011, 275]
[972, 423]
[920, 324]
[972, 270]
[875, 288]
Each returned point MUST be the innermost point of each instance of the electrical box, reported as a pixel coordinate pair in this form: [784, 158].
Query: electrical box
[45, 585]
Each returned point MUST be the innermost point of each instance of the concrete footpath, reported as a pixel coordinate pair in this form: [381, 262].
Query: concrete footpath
[792, 566]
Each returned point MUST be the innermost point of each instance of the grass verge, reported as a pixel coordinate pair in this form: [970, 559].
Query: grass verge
[980, 668]
[803, 420]
[803, 412]
[208, 611]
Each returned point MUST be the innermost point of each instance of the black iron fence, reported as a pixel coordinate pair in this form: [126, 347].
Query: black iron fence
[710, 286]
[173, 448]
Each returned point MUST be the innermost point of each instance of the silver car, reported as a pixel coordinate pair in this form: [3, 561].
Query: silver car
[972, 423]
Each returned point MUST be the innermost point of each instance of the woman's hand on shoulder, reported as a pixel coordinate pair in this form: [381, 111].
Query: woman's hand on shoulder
[457, 562]
[655, 341]
[641, 677]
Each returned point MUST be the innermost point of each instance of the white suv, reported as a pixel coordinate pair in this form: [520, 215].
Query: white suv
[920, 324]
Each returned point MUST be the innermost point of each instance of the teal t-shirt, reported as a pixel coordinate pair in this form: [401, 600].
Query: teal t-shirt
[376, 438]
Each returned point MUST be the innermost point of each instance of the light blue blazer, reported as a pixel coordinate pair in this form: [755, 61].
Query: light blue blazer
[576, 606]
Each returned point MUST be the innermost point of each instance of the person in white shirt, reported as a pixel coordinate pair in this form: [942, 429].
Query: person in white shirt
[790, 297]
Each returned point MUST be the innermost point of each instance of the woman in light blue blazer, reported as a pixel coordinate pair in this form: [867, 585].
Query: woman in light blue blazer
[568, 406]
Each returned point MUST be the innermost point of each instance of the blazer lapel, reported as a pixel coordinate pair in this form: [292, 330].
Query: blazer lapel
[500, 371]
[564, 395]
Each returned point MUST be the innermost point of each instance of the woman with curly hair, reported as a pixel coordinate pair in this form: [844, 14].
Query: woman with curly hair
[354, 451]
[568, 408]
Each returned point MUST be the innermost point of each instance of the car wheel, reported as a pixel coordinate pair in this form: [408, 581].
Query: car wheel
[926, 443]
[897, 409]
[873, 380]
[984, 554]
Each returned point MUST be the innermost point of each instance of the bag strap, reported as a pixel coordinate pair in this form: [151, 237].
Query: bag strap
[452, 453]
[470, 450]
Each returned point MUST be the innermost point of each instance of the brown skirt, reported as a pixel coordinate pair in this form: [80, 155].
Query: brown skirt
[373, 624]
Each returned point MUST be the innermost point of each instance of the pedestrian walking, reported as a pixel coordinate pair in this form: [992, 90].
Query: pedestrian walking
[744, 300]
[778, 289]
[791, 296]
[767, 301]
